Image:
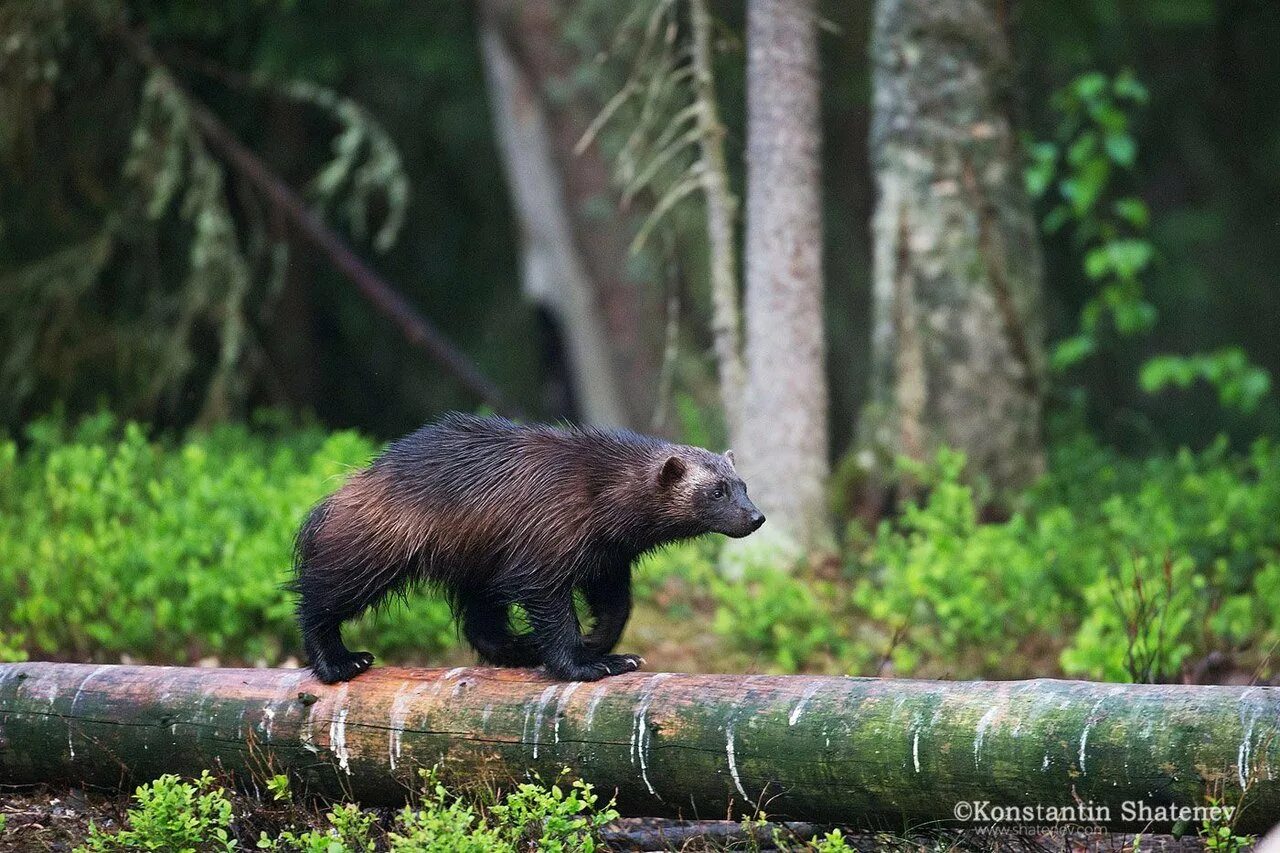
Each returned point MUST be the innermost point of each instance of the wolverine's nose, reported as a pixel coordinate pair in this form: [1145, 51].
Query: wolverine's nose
[757, 519]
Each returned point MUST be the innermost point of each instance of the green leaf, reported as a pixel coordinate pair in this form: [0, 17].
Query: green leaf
[1121, 148]
[1082, 149]
[1097, 263]
[1071, 351]
[1083, 190]
[1128, 86]
[1088, 87]
[1056, 218]
[1041, 168]
[1127, 258]
[1134, 211]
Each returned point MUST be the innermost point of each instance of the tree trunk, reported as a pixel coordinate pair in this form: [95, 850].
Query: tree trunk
[575, 244]
[721, 207]
[857, 751]
[958, 335]
[783, 435]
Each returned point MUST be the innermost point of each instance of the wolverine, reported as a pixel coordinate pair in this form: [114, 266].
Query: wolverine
[495, 514]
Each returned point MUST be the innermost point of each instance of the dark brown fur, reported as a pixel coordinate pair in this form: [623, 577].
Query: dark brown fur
[496, 514]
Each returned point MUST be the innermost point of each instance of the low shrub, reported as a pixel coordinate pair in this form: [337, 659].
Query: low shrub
[1129, 569]
[112, 543]
[178, 816]
[788, 621]
[170, 814]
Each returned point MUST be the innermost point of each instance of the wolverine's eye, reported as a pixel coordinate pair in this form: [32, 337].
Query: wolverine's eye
[718, 493]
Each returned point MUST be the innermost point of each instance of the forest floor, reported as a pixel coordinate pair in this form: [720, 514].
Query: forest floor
[58, 821]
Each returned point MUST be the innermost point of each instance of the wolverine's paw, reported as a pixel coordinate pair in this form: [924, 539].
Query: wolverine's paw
[594, 670]
[331, 670]
[618, 664]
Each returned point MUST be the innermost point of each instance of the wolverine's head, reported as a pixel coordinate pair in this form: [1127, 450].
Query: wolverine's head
[706, 486]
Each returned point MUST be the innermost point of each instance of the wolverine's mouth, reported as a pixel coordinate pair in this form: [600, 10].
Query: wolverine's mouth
[749, 525]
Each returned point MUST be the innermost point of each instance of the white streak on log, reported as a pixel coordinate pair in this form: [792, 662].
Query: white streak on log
[733, 761]
[399, 712]
[981, 733]
[542, 708]
[595, 703]
[1084, 735]
[71, 747]
[524, 727]
[560, 706]
[268, 718]
[804, 700]
[338, 740]
[307, 734]
[640, 736]
[1246, 745]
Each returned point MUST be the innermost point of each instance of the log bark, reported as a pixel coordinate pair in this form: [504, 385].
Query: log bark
[957, 339]
[853, 751]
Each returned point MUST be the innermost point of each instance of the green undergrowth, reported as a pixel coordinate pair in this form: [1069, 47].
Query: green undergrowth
[172, 814]
[112, 543]
[203, 816]
[115, 544]
[1111, 568]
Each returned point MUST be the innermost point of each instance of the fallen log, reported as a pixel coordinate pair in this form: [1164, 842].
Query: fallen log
[854, 751]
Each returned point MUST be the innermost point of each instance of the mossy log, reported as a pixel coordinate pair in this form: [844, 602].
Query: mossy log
[856, 751]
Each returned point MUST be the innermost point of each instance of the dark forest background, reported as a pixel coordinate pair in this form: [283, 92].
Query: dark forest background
[1209, 168]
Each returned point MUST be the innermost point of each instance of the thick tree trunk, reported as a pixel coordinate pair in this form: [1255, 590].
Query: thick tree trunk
[783, 435]
[575, 245]
[958, 337]
[855, 751]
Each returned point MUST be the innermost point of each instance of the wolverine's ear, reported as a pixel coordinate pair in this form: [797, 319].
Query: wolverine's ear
[728, 454]
[672, 470]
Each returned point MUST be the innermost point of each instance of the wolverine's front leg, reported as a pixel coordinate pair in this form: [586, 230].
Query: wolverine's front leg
[608, 595]
[559, 640]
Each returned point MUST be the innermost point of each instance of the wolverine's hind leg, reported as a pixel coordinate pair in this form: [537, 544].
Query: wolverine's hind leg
[329, 657]
[487, 626]
[324, 603]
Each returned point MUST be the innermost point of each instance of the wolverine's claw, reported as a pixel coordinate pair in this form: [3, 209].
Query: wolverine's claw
[333, 669]
[618, 664]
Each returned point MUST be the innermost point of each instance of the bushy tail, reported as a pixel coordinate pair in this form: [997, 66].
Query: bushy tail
[304, 543]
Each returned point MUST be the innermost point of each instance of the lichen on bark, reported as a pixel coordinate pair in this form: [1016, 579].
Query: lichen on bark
[958, 354]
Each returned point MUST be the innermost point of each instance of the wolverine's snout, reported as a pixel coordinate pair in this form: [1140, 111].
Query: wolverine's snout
[745, 519]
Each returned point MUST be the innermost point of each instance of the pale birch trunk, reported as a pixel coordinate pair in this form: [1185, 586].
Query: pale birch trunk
[574, 256]
[957, 338]
[783, 425]
[551, 271]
